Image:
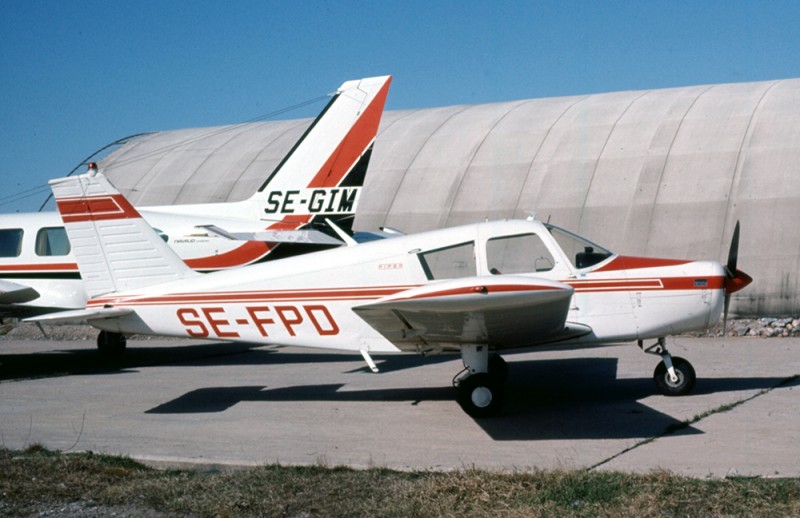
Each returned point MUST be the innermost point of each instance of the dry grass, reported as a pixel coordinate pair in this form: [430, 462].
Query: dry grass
[37, 481]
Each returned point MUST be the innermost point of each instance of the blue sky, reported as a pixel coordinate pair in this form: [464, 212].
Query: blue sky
[77, 75]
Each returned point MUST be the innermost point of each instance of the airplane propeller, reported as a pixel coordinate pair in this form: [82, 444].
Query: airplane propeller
[735, 279]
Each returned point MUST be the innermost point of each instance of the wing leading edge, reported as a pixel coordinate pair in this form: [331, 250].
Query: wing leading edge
[14, 293]
[501, 311]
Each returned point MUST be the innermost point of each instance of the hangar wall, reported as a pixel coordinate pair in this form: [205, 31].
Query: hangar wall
[656, 172]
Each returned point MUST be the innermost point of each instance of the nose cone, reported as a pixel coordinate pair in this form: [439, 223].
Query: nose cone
[736, 282]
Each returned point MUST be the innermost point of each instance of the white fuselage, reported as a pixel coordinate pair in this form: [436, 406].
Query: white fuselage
[309, 300]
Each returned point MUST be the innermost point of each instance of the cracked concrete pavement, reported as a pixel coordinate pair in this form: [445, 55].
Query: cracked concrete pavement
[191, 402]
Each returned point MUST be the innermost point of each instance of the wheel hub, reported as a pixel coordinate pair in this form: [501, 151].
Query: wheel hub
[481, 397]
[678, 381]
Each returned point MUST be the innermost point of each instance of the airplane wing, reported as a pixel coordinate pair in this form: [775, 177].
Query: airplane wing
[13, 293]
[80, 315]
[309, 237]
[501, 311]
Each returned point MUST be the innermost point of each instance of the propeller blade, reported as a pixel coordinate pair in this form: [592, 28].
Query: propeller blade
[733, 253]
[736, 280]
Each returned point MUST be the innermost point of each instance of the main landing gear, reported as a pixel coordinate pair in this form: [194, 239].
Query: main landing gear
[111, 345]
[481, 387]
[674, 376]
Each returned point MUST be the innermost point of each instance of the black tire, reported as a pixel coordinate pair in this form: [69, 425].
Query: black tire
[111, 345]
[498, 369]
[480, 396]
[686, 378]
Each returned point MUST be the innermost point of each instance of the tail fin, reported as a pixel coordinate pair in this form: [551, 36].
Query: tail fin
[322, 174]
[116, 250]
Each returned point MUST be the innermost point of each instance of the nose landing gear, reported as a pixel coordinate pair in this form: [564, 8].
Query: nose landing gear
[673, 376]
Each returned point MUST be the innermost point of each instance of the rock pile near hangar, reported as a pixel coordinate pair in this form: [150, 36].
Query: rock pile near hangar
[767, 327]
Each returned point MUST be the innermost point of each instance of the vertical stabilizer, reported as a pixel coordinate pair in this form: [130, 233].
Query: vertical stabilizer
[323, 173]
[115, 248]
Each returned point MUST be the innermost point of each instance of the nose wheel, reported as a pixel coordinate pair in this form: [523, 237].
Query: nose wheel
[679, 385]
[674, 376]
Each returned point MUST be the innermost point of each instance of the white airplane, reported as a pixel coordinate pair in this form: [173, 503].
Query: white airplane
[474, 289]
[321, 177]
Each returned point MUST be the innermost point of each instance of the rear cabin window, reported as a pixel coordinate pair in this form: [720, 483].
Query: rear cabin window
[52, 241]
[524, 253]
[451, 262]
[10, 242]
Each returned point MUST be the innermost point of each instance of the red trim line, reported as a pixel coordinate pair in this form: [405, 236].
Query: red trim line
[253, 296]
[624, 262]
[42, 267]
[648, 284]
[471, 290]
[247, 253]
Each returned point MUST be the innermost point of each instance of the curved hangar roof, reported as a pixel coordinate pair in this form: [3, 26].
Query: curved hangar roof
[656, 172]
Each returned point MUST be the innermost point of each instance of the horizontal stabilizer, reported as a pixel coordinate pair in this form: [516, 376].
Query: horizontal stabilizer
[13, 293]
[502, 311]
[309, 237]
[80, 315]
[116, 250]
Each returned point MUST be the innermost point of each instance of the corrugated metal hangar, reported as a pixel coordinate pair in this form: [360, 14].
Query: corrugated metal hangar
[656, 172]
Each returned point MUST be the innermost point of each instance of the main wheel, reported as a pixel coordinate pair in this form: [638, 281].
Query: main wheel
[686, 378]
[480, 396]
[111, 344]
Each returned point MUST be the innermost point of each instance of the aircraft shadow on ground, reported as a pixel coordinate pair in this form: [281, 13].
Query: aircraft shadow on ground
[545, 399]
[67, 362]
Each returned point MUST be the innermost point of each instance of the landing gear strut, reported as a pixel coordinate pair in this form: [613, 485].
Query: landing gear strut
[480, 390]
[674, 376]
[111, 345]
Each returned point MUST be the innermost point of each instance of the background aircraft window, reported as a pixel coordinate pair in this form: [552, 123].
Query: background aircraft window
[518, 254]
[581, 251]
[10, 242]
[52, 241]
[450, 263]
[161, 234]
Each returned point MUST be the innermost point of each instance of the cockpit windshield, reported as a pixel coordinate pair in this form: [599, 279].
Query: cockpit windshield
[582, 252]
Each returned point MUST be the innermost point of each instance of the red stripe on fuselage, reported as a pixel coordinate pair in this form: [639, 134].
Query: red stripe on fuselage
[249, 252]
[41, 267]
[648, 284]
[332, 294]
[624, 262]
[471, 290]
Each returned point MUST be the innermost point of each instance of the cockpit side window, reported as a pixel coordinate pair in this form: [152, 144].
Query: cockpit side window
[524, 253]
[10, 242]
[582, 252]
[451, 262]
[52, 241]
